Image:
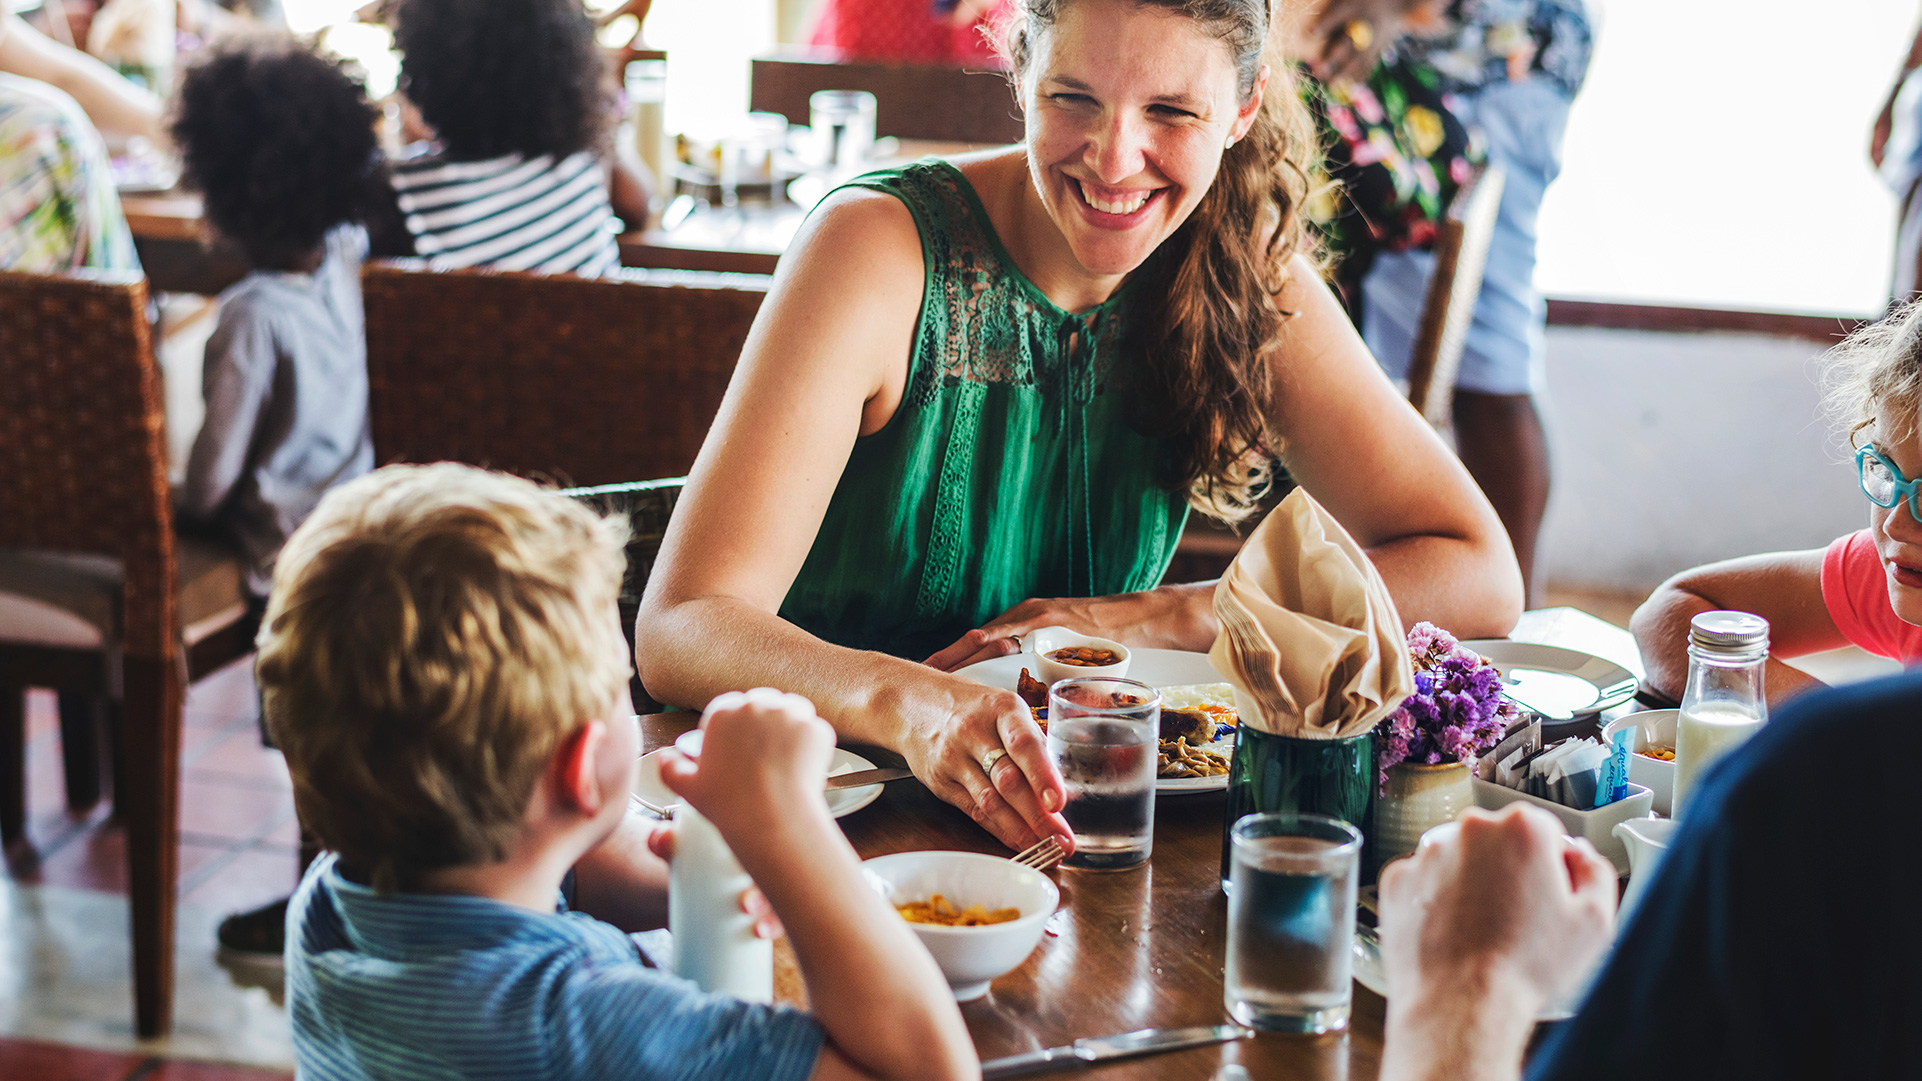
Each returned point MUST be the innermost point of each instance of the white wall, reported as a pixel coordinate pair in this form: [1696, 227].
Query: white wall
[1672, 450]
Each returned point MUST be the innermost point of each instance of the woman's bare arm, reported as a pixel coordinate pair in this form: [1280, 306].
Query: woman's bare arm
[116, 106]
[1360, 449]
[1784, 588]
[825, 362]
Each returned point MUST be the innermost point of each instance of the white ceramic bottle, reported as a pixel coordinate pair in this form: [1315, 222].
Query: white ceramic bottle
[714, 943]
[1724, 703]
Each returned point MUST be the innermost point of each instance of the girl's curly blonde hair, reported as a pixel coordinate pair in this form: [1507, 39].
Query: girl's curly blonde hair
[1875, 376]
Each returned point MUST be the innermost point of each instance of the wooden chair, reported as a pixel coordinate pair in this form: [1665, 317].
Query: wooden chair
[647, 506]
[584, 381]
[1461, 253]
[98, 597]
[912, 101]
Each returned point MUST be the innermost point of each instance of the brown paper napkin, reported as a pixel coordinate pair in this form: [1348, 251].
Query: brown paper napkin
[1309, 634]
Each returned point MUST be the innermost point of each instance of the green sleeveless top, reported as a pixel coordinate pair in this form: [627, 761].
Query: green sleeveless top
[1009, 470]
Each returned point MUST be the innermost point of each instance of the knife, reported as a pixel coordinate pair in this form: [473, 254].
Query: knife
[863, 777]
[1148, 1041]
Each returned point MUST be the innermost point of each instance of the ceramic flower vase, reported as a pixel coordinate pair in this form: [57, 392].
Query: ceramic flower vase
[1333, 777]
[1416, 799]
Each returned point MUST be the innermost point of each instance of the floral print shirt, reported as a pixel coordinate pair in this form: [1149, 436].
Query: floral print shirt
[1395, 156]
[58, 207]
[1490, 40]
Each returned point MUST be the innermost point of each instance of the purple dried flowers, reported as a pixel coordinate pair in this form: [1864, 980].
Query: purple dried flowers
[1458, 709]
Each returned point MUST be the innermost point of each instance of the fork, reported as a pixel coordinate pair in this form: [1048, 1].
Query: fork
[1041, 855]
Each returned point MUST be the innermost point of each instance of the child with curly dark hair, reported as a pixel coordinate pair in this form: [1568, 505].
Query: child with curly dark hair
[519, 99]
[280, 143]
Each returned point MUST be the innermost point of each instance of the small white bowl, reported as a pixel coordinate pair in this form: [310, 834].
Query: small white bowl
[970, 957]
[1653, 728]
[1048, 639]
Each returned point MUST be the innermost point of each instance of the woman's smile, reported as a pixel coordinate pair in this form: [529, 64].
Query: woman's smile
[1113, 208]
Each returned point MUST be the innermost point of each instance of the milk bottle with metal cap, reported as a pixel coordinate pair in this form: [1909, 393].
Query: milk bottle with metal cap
[1724, 703]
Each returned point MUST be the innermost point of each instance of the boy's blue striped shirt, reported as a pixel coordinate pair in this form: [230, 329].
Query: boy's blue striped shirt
[410, 985]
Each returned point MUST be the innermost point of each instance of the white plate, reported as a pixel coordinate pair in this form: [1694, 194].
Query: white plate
[1557, 683]
[1156, 668]
[841, 801]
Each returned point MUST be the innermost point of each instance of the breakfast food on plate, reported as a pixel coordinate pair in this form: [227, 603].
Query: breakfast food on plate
[1085, 656]
[1179, 759]
[940, 910]
[1664, 754]
[1194, 717]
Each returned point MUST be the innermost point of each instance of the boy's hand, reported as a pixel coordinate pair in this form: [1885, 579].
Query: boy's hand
[1507, 905]
[660, 841]
[763, 753]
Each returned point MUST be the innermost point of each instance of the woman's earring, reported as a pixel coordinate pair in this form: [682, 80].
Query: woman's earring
[1229, 144]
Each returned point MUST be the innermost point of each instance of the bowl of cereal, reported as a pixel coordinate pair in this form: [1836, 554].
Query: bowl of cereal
[1060, 653]
[979, 916]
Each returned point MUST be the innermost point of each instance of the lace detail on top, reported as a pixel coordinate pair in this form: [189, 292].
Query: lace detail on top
[982, 319]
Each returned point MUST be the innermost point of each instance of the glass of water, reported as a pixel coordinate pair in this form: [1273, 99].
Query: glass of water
[1291, 922]
[1104, 737]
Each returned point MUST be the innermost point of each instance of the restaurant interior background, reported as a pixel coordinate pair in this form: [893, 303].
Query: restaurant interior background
[1716, 223]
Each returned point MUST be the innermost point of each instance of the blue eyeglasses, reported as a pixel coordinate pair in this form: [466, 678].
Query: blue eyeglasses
[1884, 484]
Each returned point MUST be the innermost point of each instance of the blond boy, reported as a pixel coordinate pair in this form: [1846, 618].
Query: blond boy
[442, 665]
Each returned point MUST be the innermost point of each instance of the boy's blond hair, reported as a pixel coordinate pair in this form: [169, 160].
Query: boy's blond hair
[434, 634]
[1875, 375]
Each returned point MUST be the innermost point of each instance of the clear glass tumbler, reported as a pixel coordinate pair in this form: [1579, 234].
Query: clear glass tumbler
[1104, 737]
[1291, 922]
[843, 126]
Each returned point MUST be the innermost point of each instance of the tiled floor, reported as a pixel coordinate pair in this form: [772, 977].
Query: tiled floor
[239, 845]
[29, 1060]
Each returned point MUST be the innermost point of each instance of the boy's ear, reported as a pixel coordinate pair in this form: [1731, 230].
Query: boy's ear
[579, 762]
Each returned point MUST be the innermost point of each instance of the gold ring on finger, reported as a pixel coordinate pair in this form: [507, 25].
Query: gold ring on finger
[1361, 34]
[989, 758]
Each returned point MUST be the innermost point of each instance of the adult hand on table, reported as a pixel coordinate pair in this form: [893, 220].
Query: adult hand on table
[1481, 931]
[1171, 617]
[979, 749]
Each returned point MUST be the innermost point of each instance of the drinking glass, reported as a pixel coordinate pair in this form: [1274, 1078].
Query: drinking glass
[1104, 737]
[1291, 922]
[843, 126]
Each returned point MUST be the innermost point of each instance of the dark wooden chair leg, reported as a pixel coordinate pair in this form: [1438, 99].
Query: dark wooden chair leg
[13, 764]
[80, 720]
[152, 818]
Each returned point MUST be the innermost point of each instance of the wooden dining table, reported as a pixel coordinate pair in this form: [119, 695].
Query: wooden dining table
[180, 254]
[1141, 948]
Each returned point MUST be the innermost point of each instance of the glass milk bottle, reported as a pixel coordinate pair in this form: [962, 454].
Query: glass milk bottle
[714, 942]
[1724, 704]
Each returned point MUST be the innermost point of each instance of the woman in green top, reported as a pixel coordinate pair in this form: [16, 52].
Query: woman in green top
[982, 384]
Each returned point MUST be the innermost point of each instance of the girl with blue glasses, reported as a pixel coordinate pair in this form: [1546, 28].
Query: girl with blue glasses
[1865, 588]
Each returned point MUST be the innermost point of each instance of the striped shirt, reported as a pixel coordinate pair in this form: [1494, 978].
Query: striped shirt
[413, 985]
[510, 213]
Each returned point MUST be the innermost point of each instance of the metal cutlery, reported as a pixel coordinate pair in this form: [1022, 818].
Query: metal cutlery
[1087, 1051]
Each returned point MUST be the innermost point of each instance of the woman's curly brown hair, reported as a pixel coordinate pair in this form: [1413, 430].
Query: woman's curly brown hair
[497, 77]
[1210, 315]
[280, 144]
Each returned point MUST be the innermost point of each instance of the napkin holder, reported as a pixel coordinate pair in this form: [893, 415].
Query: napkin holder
[1270, 773]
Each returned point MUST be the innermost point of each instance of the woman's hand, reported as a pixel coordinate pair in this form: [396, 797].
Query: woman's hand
[1171, 617]
[950, 740]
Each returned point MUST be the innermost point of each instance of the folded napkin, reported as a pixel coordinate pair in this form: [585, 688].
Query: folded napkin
[1309, 635]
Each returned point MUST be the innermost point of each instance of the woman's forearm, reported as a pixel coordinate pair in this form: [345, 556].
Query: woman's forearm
[690, 651]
